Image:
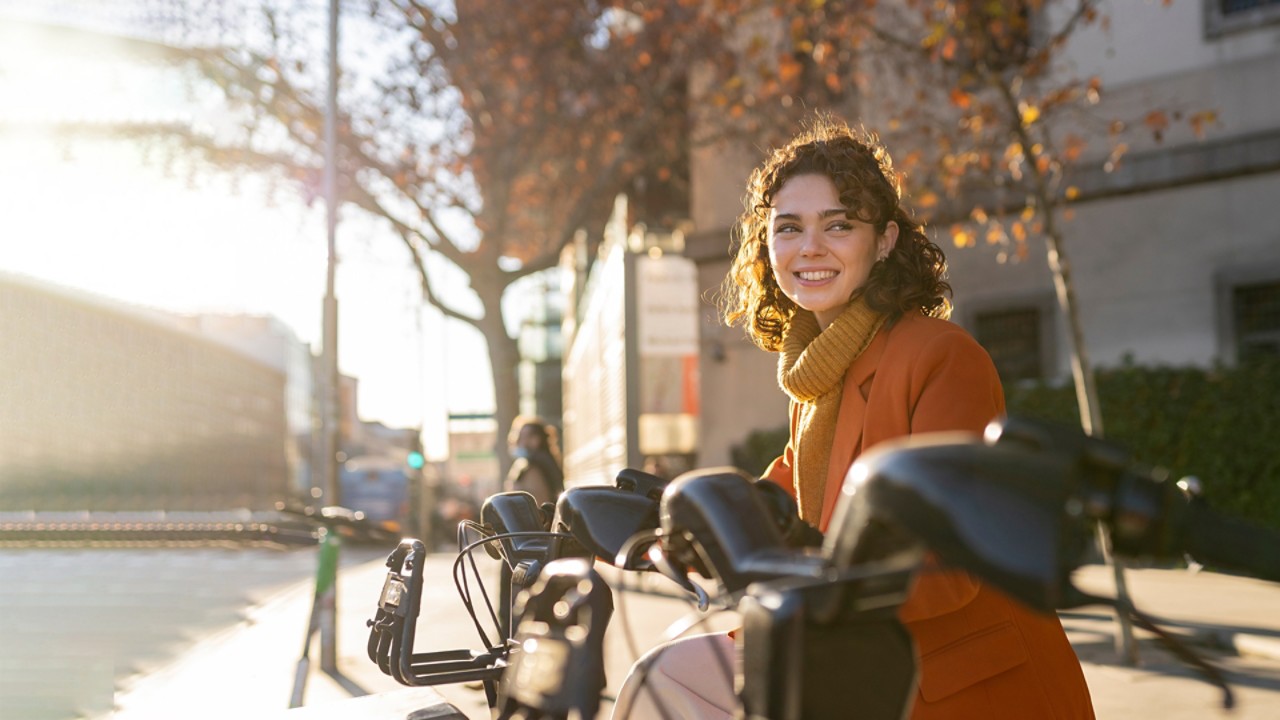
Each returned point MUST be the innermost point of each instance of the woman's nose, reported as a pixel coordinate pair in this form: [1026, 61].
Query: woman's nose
[811, 243]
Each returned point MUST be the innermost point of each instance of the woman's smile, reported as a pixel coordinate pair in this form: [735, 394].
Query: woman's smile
[816, 276]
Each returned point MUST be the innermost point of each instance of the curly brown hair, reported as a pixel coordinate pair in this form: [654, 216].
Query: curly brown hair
[909, 279]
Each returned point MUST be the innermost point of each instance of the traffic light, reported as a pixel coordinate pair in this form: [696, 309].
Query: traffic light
[416, 460]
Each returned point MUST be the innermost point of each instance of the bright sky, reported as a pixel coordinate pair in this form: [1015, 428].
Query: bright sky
[96, 215]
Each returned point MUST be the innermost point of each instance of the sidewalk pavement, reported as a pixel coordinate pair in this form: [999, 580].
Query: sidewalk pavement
[248, 671]
[1208, 609]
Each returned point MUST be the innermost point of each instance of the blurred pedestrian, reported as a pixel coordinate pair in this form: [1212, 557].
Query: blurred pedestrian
[536, 469]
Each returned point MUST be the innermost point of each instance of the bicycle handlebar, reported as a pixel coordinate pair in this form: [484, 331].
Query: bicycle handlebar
[1147, 515]
[1047, 485]
[1016, 508]
[1213, 538]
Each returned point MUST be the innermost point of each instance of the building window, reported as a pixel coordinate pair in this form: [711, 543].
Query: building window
[1256, 311]
[1012, 338]
[1228, 16]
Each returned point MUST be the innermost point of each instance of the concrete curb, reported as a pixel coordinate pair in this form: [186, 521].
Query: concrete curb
[1256, 645]
[1241, 643]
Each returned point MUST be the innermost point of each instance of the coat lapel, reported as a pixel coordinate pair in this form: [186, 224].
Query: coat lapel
[849, 422]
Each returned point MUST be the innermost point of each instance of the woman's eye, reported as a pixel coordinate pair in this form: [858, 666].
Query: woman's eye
[787, 228]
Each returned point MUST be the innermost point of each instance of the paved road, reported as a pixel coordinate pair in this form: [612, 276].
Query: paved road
[215, 633]
[77, 625]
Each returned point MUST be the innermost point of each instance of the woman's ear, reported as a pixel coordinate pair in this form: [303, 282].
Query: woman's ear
[887, 240]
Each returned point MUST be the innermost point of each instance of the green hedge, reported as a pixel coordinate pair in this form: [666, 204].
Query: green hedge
[759, 449]
[1221, 425]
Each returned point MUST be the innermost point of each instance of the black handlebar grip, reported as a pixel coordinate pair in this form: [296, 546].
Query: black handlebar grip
[786, 515]
[1215, 539]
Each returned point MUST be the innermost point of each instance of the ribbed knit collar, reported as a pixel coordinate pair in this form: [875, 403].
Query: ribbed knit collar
[813, 361]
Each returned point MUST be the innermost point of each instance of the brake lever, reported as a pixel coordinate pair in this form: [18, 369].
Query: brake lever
[677, 575]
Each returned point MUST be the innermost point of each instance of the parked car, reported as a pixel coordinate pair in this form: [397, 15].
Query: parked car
[378, 487]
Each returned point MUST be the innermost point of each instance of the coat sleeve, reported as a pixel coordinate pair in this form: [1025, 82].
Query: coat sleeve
[954, 387]
[780, 470]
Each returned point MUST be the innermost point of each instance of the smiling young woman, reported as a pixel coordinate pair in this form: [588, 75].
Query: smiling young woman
[834, 275]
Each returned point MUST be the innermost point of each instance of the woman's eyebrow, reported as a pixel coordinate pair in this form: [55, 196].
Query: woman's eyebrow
[834, 212]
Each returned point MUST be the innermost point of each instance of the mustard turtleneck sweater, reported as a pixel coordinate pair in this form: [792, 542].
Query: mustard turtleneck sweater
[811, 371]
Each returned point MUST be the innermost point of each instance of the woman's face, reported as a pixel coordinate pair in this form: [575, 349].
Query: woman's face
[819, 254]
[529, 438]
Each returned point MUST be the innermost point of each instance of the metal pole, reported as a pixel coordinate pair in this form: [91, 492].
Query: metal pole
[1091, 421]
[332, 490]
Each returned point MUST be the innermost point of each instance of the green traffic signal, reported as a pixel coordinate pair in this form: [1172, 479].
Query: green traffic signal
[416, 460]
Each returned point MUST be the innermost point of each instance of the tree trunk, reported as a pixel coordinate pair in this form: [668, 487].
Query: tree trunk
[1090, 416]
[504, 359]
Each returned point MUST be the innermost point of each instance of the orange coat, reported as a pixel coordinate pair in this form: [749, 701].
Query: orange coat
[981, 654]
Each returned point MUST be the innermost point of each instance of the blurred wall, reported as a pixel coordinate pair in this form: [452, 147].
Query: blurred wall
[104, 406]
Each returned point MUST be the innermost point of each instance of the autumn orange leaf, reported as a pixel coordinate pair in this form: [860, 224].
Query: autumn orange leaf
[1199, 120]
[1074, 148]
[1113, 160]
[789, 69]
[1030, 113]
[949, 49]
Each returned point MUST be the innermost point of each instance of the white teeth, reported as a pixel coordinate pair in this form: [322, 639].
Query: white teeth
[816, 274]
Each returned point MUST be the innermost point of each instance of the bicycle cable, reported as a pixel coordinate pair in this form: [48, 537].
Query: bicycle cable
[464, 592]
[463, 587]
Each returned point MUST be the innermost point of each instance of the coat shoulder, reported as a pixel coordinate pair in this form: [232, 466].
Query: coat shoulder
[913, 333]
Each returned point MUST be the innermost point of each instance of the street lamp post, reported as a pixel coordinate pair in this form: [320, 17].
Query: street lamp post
[329, 348]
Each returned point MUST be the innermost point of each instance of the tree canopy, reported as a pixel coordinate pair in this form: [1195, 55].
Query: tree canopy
[485, 133]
